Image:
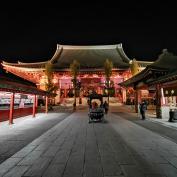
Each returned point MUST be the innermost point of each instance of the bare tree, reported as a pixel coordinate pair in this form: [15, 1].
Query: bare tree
[50, 87]
[134, 67]
[74, 67]
[108, 65]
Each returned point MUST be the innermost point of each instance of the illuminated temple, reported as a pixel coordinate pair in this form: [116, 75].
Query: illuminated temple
[91, 74]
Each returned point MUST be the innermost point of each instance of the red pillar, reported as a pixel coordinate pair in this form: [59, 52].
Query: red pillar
[46, 104]
[36, 101]
[124, 95]
[34, 106]
[11, 108]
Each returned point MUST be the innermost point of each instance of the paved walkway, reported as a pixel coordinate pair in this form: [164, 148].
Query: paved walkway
[162, 127]
[24, 130]
[149, 115]
[74, 148]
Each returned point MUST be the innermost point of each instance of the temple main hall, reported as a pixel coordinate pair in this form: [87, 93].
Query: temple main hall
[91, 73]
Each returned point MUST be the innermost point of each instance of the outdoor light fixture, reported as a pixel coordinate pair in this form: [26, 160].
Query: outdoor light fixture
[55, 80]
[106, 91]
[166, 92]
[95, 75]
[172, 92]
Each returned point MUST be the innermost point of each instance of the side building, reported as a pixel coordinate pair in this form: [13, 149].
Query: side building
[18, 97]
[159, 80]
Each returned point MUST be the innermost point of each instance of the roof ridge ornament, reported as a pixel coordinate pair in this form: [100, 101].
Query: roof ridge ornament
[58, 46]
[165, 51]
[119, 45]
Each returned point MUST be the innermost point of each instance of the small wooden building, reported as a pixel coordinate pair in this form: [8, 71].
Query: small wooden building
[13, 89]
[159, 78]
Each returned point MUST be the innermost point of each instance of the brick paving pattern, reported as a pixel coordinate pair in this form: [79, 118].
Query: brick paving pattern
[74, 148]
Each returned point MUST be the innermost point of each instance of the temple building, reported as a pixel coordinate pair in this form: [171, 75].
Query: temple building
[91, 73]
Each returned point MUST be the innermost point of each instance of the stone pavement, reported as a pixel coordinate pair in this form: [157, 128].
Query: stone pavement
[154, 155]
[165, 122]
[74, 148]
[150, 116]
[24, 130]
[160, 126]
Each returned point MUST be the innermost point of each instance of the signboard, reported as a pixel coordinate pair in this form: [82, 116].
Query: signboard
[144, 93]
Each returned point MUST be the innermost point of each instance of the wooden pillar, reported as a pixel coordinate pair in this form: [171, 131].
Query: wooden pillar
[34, 106]
[158, 101]
[80, 97]
[11, 108]
[46, 104]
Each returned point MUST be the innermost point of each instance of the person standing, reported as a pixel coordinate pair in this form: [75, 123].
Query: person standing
[143, 108]
[106, 107]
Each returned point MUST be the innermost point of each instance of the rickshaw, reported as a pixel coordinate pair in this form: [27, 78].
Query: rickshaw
[96, 112]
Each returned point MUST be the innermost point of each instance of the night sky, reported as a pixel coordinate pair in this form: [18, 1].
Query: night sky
[31, 33]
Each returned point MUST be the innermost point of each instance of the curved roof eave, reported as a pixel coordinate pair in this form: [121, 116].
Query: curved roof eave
[24, 68]
[23, 63]
[122, 53]
[29, 66]
[56, 54]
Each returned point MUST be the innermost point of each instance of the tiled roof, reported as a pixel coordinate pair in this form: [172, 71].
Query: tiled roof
[90, 56]
[165, 65]
[13, 83]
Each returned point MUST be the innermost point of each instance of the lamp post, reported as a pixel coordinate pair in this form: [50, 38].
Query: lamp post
[107, 88]
[79, 87]
[172, 111]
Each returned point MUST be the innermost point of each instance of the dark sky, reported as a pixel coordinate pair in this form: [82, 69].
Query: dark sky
[31, 33]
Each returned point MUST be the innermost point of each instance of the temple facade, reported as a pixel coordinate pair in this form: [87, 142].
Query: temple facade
[91, 73]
